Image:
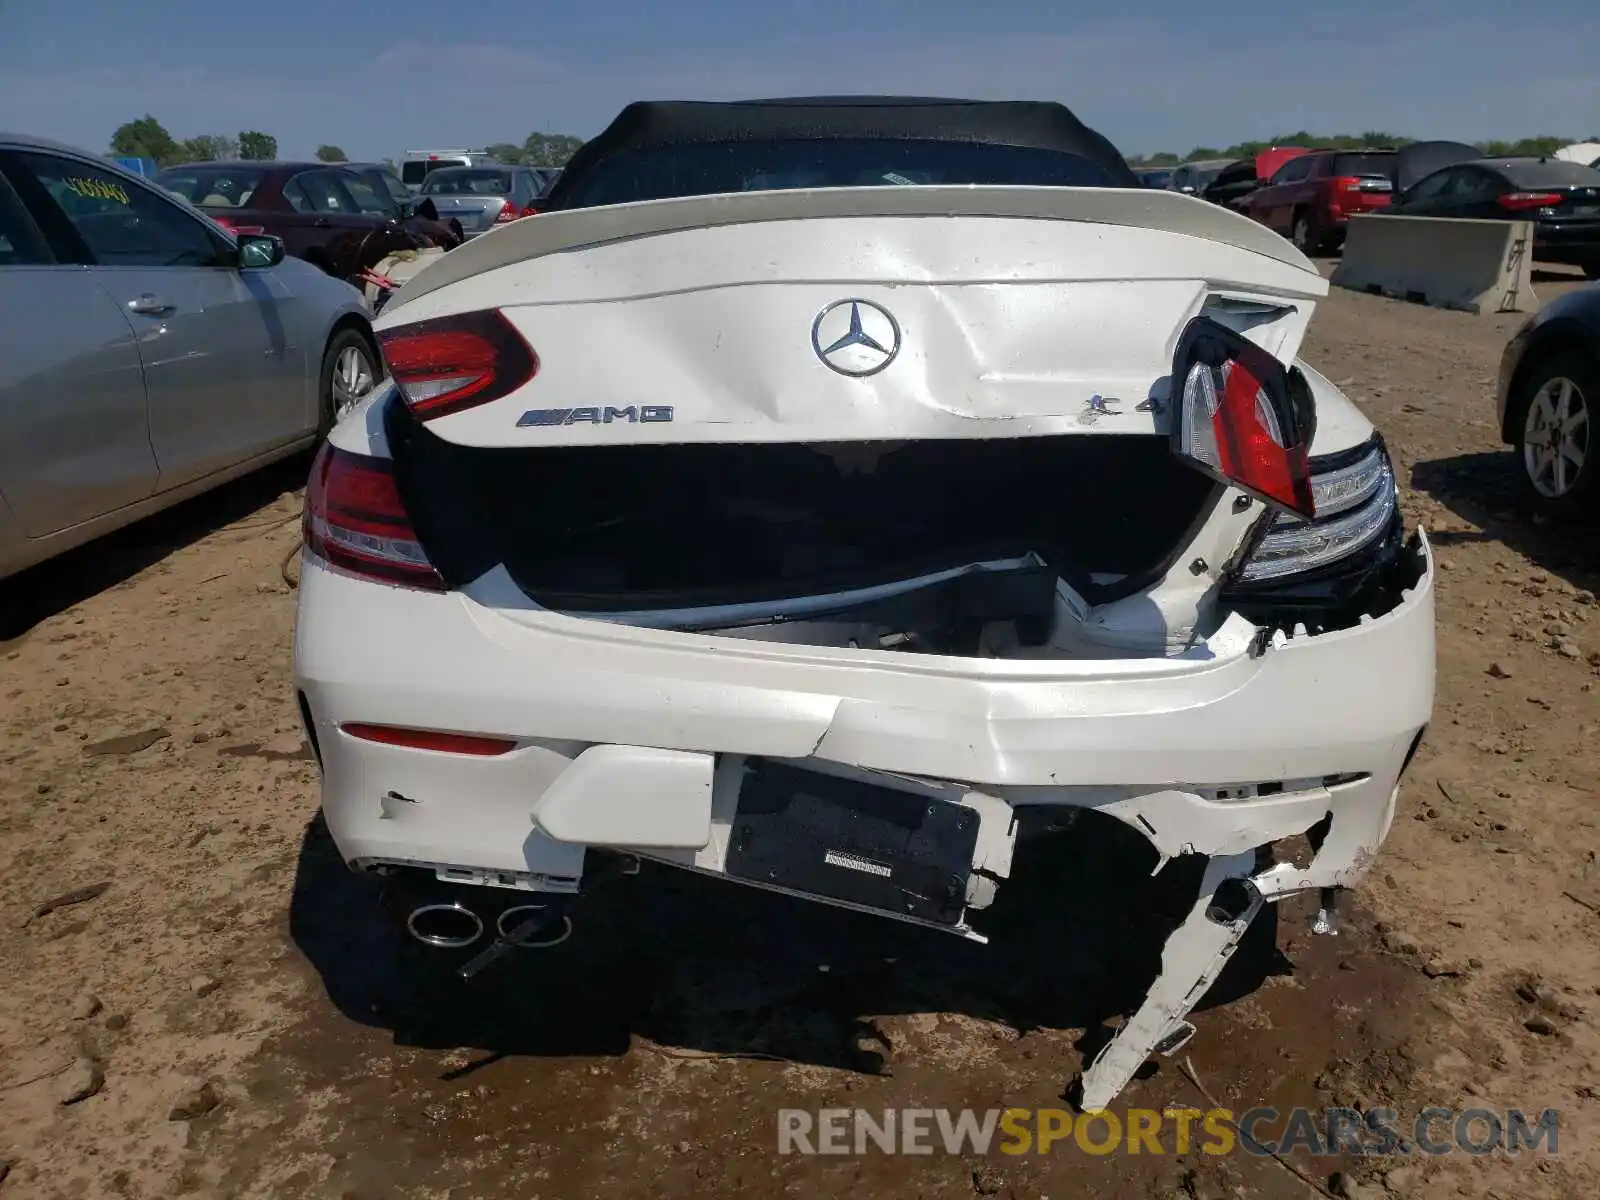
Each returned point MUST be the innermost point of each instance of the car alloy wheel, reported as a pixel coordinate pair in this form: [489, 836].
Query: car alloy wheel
[353, 379]
[1555, 438]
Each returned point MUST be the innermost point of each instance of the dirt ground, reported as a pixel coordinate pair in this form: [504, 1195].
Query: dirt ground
[223, 1013]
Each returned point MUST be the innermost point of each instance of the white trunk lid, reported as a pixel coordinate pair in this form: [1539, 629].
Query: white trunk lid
[984, 312]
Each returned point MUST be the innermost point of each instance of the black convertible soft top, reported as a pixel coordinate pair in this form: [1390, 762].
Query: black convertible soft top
[661, 124]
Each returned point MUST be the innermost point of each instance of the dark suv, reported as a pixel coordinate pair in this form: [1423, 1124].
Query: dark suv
[1310, 199]
[326, 214]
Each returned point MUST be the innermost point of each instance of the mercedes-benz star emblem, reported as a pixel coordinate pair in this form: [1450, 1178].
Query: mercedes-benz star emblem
[855, 337]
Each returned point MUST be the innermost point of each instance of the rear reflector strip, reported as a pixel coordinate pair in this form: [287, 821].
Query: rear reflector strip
[428, 739]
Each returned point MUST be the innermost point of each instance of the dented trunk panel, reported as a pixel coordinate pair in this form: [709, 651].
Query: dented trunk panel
[989, 326]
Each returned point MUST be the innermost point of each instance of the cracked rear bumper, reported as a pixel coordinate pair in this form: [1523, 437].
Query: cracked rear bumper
[602, 714]
[639, 739]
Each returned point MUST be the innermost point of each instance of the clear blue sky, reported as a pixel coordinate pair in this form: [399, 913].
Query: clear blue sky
[379, 77]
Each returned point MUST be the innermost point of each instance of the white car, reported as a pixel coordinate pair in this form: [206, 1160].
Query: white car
[822, 485]
[417, 165]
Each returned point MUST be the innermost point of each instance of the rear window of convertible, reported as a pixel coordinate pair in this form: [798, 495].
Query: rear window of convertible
[711, 168]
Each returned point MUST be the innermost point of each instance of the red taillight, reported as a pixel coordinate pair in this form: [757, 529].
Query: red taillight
[450, 363]
[429, 739]
[355, 520]
[1517, 201]
[233, 226]
[1236, 420]
[512, 213]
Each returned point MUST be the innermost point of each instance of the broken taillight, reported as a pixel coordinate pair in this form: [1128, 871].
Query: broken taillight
[448, 364]
[1239, 419]
[355, 520]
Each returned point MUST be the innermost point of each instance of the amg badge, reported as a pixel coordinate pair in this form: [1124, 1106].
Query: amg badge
[646, 413]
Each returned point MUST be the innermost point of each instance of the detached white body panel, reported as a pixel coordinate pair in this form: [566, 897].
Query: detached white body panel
[1019, 312]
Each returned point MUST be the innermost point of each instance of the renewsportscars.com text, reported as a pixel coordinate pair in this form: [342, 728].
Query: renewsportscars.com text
[1258, 1131]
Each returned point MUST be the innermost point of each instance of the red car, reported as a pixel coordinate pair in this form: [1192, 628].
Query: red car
[1311, 198]
[325, 213]
[1234, 184]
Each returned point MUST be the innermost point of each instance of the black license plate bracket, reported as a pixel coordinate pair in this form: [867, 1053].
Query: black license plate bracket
[861, 843]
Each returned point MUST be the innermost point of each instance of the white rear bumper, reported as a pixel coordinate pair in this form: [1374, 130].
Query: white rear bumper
[640, 739]
[1144, 738]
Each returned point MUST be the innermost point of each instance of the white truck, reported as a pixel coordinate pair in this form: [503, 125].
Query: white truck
[417, 165]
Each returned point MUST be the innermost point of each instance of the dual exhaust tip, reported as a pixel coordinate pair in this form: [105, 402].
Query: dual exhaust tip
[454, 925]
[450, 925]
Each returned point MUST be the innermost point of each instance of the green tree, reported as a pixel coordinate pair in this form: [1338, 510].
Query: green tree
[327, 153]
[505, 152]
[549, 149]
[257, 146]
[1528, 147]
[145, 138]
[1538, 147]
[206, 147]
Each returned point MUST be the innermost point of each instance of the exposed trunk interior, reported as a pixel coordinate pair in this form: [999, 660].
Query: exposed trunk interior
[916, 545]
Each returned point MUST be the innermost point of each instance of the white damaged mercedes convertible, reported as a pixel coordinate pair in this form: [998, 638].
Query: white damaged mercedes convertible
[820, 488]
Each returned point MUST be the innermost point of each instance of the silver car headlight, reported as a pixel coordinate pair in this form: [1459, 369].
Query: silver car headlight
[1355, 504]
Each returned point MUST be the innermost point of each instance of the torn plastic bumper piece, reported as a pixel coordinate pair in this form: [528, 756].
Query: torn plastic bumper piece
[1190, 962]
[1232, 892]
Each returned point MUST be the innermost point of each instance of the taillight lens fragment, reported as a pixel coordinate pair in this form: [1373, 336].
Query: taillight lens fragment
[1237, 420]
[448, 364]
[355, 520]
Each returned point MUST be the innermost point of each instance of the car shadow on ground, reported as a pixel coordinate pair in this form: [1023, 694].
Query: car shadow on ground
[1484, 489]
[58, 584]
[709, 967]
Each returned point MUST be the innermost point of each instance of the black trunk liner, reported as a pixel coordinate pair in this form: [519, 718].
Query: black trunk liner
[608, 528]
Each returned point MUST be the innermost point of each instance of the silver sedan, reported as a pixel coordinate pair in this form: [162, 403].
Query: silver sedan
[146, 354]
[481, 198]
